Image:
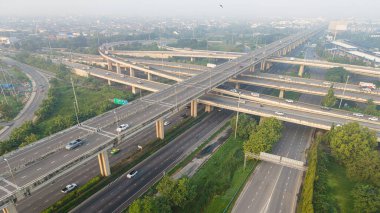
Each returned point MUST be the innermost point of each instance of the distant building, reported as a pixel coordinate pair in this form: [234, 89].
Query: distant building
[7, 40]
[336, 27]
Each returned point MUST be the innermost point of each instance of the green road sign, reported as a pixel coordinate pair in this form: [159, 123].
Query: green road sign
[120, 101]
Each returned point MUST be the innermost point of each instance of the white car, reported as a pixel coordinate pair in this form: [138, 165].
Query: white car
[166, 123]
[358, 114]
[338, 125]
[373, 119]
[326, 83]
[281, 77]
[254, 94]
[107, 73]
[122, 127]
[139, 82]
[289, 100]
[234, 90]
[279, 113]
[69, 188]
[132, 174]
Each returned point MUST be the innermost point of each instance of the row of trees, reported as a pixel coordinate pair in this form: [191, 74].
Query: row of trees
[171, 195]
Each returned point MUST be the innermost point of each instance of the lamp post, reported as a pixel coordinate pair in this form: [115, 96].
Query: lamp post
[237, 116]
[76, 113]
[10, 170]
[344, 90]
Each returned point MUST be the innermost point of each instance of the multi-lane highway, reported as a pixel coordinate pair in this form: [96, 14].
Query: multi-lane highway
[46, 196]
[47, 158]
[290, 85]
[274, 188]
[40, 85]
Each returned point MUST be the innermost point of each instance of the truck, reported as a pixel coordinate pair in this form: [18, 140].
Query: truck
[211, 65]
[367, 85]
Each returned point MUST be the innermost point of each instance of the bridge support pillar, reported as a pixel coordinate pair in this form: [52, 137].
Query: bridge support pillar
[284, 51]
[262, 65]
[252, 68]
[282, 92]
[268, 65]
[194, 108]
[149, 77]
[134, 90]
[104, 164]
[118, 69]
[208, 108]
[300, 71]
[192, 59]
[109, 65]
[131, 72]
[237, 86]
[109, 83]
[278, 53]
[160, 128]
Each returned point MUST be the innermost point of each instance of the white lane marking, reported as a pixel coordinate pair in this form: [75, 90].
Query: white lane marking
[52, 162]
[39, 169]
[65, 155]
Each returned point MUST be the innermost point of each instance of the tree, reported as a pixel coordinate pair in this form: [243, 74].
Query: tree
[354, 147]
[337, 74]
[6, 111]
[267, 134]
[330, 99]
[178, 193]
[246, 125]
[371, 108]
[366, 198]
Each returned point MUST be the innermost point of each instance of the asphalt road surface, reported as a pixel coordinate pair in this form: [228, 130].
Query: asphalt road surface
[40, 90]
[274, 188]
[47, 196]
[118, 195]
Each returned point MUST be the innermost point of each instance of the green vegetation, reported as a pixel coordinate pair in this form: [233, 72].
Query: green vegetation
[336, 74]
[246, 125]
[10, 108]
[306, 200]
[202, 45]
[57, 110]
[65, 204]
[264, 137]
[329, 100]
[336, 58]
[347, 172]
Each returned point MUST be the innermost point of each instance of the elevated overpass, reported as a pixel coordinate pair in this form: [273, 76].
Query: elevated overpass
[361, 70]
[298, 106]
[37, 164]
[310, 119]
[134, 82]
[171, 54]
[304, 88]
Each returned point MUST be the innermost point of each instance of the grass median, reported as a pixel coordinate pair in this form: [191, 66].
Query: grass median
[73, 199]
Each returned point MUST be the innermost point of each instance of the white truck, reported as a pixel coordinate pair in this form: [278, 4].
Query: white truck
[366, 85]
[211, 65]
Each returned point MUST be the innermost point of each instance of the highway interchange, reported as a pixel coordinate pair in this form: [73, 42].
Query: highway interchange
[154, 105]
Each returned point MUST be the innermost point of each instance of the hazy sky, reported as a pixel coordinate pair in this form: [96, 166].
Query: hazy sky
[196, 8]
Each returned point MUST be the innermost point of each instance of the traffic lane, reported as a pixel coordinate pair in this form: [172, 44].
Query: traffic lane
[35, 150]
[300, 115]
[56, 160]
[291, 86]
[47, 196]
[124, 188]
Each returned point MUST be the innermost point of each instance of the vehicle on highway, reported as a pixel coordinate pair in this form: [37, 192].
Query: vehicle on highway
[292, 58]
[139, 82]
[234, 90]
[281, 77]
[74, 144]
[338, 125]
[122, 75]
[132, 174]
[279, 113]
[289, 100]
[288, 79]
[114, 151]
[107, 73]
[122, 127]
[325, 108]
[367, 89]
[184, 115]
[326, 83]
[69, 188]
[166, 123]
[373, 119]
[358, 114]
[255, 94]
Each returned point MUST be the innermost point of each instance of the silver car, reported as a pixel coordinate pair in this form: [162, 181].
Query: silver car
[74, 144]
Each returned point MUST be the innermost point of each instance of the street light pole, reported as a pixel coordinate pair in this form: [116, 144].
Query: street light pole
[117, 120]
[10, 170]
[237, 117]
[340, 103]
[76, 113]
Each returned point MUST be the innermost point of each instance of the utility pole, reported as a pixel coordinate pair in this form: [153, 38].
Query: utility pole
[344, 90]
[237, 117]
[75, 95]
